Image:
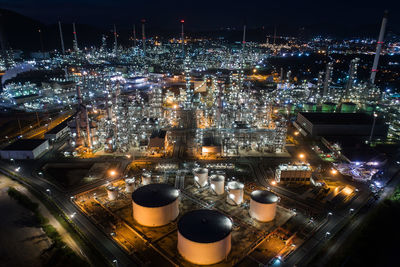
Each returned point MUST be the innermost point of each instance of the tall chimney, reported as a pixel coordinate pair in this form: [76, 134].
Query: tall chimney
[134, 35]
[75, 38]
[143, 37]
[378, 48]
[61, 38]
[244, 36]
[115, 40]
[183, 38]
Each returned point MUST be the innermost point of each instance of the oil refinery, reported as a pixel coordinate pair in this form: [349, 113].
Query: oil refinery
[217, 149]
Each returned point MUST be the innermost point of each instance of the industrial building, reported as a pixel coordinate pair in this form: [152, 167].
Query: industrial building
[158, 141]
[57, 132]
[25, 149]
[340, 124]
[293, 174]
[352, 150]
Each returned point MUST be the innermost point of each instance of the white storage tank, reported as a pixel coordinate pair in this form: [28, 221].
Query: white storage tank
[130, 185]
[263, 205]
[200, 176]
[146, 178]
[217, 184]
[112, 192]
[235, 193]
[204, 236]
[155, 204]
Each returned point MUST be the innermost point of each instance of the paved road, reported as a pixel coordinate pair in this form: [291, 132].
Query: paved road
[105, 245]
[305, 253]
[388, 191]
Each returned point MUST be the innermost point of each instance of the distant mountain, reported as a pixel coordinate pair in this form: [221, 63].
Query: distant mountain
[21, 32]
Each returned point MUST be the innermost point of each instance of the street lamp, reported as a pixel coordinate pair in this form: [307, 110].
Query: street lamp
[115, 262]
[334, 171]
[327, 234]
[13, 161]
[373, 127]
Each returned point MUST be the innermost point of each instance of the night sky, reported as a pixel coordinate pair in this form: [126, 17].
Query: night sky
[209, 14]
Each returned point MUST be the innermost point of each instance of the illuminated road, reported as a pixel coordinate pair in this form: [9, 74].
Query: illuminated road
[105, 245]
[39, 132]
[305, 253]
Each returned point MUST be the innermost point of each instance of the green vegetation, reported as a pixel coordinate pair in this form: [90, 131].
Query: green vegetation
[60, 254]
[22, 199]
[396, 195]
[375, 242]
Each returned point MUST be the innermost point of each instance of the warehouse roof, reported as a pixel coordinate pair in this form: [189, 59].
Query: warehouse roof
[24, 145]
[339, 118]
[353, 148]
[204, 226]
[58, 128]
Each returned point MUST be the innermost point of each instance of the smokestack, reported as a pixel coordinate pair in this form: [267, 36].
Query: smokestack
[3, 43]
[75, 38]
[378, 48]
[61, 37]
[244, 36]
[134, 35]
[273, 45]
[41, 40]
[143, 37]
[115, 40]
[183, 39]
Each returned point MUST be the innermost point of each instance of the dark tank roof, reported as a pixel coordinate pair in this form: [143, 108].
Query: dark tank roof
[155, 195]
[204, 226]
[263, 196]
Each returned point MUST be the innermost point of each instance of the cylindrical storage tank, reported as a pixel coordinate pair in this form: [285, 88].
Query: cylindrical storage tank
[130, 185]
[217, 184]
[155, 204]
[112, 192]
[235, 193]
[200, 176]
[328, 107]
[348, 107]
[204, 236]
[146, 178]
[263, 205]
